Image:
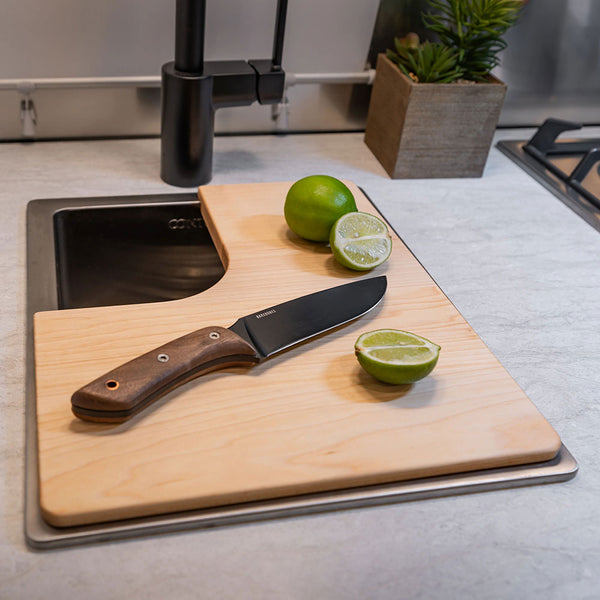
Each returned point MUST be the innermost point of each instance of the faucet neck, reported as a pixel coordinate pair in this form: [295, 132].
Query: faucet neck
[190, 18]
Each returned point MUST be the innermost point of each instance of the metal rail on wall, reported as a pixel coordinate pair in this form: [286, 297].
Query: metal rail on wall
[25, 109]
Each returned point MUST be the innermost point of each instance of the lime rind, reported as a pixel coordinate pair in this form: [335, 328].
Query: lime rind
[314, 203]
[397, 357]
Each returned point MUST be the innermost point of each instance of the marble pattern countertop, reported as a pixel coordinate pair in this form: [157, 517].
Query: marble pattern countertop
[520, 266]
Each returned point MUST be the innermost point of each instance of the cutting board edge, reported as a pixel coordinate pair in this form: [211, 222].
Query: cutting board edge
[66, 519]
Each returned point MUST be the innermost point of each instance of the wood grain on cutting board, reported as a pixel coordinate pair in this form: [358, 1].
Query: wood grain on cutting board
[307, 420]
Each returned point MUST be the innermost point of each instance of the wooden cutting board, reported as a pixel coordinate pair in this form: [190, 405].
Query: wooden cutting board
[307, 420]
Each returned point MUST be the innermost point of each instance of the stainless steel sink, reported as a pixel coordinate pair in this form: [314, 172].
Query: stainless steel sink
[104, 251]
[126, 250]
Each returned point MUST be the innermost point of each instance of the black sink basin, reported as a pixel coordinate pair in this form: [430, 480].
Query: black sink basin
[120, 250]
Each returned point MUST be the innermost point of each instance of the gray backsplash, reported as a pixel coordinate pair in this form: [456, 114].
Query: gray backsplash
[551, 66]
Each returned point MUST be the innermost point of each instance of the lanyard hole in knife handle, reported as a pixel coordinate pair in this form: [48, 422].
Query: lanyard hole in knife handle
[119, 394]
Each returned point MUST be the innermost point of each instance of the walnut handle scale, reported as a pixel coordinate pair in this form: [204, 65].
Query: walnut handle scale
[123, 392]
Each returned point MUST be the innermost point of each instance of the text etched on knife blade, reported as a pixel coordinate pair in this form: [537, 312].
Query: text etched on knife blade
[266, 313]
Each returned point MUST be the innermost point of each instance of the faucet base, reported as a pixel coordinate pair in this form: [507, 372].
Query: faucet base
[187, 127]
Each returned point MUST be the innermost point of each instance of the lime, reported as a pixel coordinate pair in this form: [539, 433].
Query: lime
[314, 203]
[395, 356]
[360, 241]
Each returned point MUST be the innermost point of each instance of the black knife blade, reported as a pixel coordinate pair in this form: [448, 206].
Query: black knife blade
[123, 392]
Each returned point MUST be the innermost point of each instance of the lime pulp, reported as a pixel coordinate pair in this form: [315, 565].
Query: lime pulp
[395, 356]
[360, 241]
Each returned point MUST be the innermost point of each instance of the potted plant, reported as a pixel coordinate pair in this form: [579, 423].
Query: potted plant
[435, 105]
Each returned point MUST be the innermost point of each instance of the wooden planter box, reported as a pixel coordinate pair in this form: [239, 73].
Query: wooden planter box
[425, 130]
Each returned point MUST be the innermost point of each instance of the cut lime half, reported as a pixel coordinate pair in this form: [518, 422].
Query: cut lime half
[360, 241]
[395, 356]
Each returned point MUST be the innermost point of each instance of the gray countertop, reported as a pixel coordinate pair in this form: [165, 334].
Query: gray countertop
[519, 265]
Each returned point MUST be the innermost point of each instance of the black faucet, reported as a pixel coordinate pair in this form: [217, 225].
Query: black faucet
[192, 89]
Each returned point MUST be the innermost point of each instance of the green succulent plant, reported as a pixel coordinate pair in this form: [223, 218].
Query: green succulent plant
[472, 33]
[426, 63]
[475, 29]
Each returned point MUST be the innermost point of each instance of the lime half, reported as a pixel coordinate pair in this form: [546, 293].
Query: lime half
[360, 241]
[395, 356]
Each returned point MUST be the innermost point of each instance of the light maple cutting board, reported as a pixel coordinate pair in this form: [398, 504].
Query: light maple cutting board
[307, 420]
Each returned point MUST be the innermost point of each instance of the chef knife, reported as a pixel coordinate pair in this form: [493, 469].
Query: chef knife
[123, 392]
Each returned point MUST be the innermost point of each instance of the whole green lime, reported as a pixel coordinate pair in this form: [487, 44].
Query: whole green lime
[314, 203]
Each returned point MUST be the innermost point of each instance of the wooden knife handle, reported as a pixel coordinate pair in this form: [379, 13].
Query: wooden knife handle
[124, 391]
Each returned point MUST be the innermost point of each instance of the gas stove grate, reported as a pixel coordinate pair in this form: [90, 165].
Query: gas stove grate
[566, 168]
